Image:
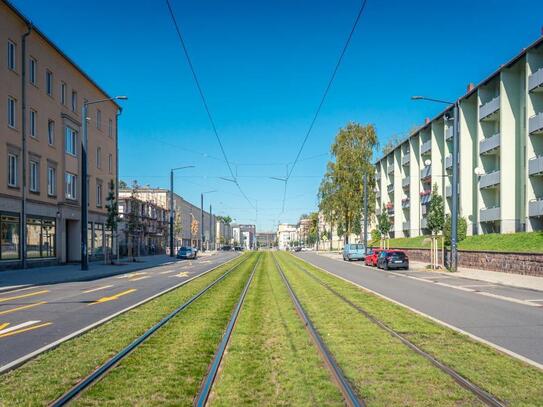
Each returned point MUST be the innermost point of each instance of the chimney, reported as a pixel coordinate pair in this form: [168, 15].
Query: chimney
[471, 86]
[427, 120]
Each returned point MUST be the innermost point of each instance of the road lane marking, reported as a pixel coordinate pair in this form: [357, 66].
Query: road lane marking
[9, 311]
[479, 285]
[138, 278]
[97, 289]
[4, 325]
[16, 297]
[24, 327]
[535, 300]
[168, 271]
[130, 275]
[182, 274]
[113, 297]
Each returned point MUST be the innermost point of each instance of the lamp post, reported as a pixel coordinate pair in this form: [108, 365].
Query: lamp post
[84, 176]
[172, 208]
[202, 217]
[454, 188]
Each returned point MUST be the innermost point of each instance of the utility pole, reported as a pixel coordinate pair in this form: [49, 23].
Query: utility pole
[202, 222]
[210, 227]
[171, 214]
[454, 189]
[365, 214]
[84, 192]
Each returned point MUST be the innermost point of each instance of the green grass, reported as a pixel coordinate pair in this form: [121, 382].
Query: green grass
[48, 376]
[509, 379]
[522, 242]
[271, 360]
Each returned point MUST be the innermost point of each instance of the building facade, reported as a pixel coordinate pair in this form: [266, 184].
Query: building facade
[287, 235]
[266, 239]
[500, 156]
[42, 92]
[244, 236]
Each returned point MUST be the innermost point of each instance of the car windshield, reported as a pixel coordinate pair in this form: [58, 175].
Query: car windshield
[397, 255]
[184, 249]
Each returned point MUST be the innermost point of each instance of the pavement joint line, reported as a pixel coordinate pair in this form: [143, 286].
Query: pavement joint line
[438, 321]
[23, 359]
[21, 308]
[97, 289]
[16, 297]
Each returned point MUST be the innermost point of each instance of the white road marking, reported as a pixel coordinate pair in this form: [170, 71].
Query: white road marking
[167, 272]
[479, 285]
[138, 278]
[535, 300]
[130, 275]
[97, 289]
[15, 327]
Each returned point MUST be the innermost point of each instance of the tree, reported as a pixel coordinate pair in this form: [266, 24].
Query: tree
[123, 184]
[436, 212]
[134, 222]
[461, 229]
[225, 219]
[341, 189]
[112, 216]
[392, 142]
[383, 224]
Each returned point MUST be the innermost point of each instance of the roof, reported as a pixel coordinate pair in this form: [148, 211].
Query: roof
[512, 61]
[56, 48]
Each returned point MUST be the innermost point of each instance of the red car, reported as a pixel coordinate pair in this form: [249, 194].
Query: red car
[371, 257]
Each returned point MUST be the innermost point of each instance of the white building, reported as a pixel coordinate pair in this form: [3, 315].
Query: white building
[286, 235]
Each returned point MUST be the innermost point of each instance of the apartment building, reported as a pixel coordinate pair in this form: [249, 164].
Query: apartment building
[244, 236]
[42, 92]
[500, 156]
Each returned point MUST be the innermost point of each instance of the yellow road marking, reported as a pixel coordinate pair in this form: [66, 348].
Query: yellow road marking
[97, 289]
[4, 325]
[139, 278]
[9, 311]
[30, 328]
[168, 271]
[113, 297]
[130, 275]
[16, 297]
[182, 274]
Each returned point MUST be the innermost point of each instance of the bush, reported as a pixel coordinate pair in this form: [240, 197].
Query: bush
[461, 226]
[375, 235]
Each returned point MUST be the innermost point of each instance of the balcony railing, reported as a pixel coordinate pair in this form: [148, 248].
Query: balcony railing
[406, 225]
[378, 195]
[448, 191]
[535, 124]
[426, 172]
[426, 146]
[377, 176]
[405, 182]
[449, 133]
[390, 188]
[487, 110]
[406, 203]
[390, 168]
[490, 144]
[535, 80]
[405, 159]
[424, 223]
[535, 208]
[489, 214]
[535, 166]
[448, 162]
[490, 180]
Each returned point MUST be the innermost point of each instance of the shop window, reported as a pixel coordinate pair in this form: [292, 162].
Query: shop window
[40, 237]
[9, 237]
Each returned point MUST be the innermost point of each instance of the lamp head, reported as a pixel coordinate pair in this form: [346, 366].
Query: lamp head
[478, 171]
[416, 97]
[121, 97]
[428, 163]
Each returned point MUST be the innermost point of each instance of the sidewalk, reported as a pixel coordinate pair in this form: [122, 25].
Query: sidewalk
[18, 278]
[495, 277]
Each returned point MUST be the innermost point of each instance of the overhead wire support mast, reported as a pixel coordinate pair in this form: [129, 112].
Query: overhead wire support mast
[204, 101]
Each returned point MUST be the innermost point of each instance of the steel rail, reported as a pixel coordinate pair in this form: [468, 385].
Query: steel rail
[483, 395]
[205, 389]
[106, 367]
[345, 387]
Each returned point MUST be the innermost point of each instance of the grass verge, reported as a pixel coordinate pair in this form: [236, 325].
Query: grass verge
[510, 380]
[46, 377]
[270, 359]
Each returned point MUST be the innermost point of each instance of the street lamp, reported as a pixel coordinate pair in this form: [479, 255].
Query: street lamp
[202, 216]
[454, 189]
[171, 206]
[84, 175]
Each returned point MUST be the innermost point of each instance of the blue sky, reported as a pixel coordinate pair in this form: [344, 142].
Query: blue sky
[263, 67]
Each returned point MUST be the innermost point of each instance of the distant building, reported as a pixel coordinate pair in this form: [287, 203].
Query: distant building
[304, 226]
[244, 235]
[287, 234]
[223, 233]
[266, 239]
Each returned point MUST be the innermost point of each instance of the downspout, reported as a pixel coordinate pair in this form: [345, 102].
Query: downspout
[22, 224]
[116, 233]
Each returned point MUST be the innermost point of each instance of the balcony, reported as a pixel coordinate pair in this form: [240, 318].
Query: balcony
[448, 191]
[426, 147]
[390, 188]
[377, 176]
[449, 133]
[488, 110]
[535, 208]
[405, 182]
[491, 180]
[535, 80]
[406, 225]
[378, 195]
[535, 166]
[425, 197]
[535, 124]
[390, 168]
[448, 162]
[405, 159]
[405, 203]
[424, 223]
[489, 214]
[426, 172]
[490, 145]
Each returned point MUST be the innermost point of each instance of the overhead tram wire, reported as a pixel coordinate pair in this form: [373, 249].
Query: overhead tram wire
[326, 90]
[204, 101]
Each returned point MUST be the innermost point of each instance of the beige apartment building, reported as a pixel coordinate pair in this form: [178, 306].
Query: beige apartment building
[500, 156]
[42, 92]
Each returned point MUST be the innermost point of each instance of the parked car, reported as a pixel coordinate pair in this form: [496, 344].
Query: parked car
[298, 249]
[393, 259]
[353, 252]
[187, 253]
[371, 257]
[226, 248]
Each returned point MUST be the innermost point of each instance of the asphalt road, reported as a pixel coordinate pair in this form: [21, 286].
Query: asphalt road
[508, 317]
[37, 316]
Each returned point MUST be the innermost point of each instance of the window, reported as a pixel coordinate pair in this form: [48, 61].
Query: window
[33, 123]
[110, 163]
[98, 194]
[49, 82]
[9, 237]
[12, 170]
[12, 110]
[32, 71]
[98, 119]
[74, 101]
[40, 237]
[11, 55]
[34, 176]
[51, 132]
[63, 93]
[51, 181]
[110, 128]
[71, 141]
[71, 186]
[99, 157]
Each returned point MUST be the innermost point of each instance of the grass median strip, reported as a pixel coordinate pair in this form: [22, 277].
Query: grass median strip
[46, 377]
[508, 379]
[381, 368]
[271, 359]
